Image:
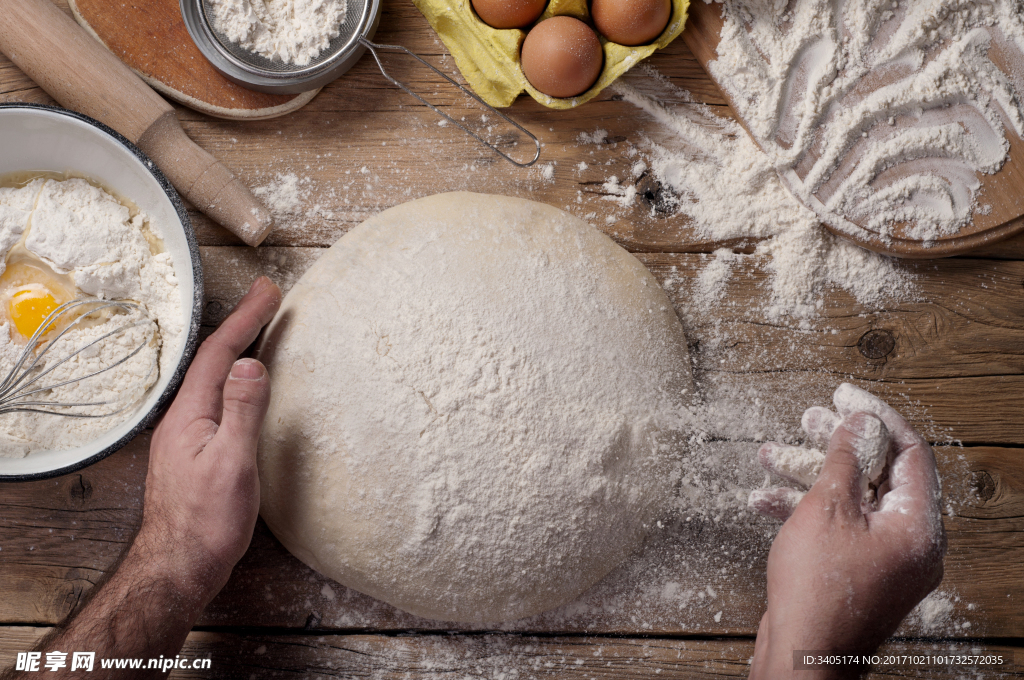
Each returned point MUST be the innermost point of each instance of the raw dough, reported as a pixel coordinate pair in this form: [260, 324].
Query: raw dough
[472, 398]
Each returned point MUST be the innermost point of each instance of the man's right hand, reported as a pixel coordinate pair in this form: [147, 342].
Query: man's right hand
[841, 579]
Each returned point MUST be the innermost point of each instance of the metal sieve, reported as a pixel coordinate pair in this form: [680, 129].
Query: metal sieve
[256, 72]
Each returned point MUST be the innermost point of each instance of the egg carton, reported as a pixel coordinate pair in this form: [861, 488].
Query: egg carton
[489, 57]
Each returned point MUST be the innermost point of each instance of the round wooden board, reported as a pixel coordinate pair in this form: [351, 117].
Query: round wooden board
[150, 37]
[1003, 191]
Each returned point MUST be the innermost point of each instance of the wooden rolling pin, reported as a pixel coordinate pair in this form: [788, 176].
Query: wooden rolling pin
[84, 76]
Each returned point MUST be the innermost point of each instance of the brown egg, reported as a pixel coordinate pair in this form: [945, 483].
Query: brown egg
[509, 13]
[562, 57]
[631, 22]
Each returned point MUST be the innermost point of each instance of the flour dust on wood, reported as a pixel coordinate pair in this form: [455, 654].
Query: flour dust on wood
[728, 188]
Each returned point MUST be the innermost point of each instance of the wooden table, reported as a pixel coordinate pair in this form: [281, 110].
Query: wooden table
[954, 360]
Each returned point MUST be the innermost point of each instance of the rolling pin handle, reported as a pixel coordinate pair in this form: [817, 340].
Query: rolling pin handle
[205, 182]
[82, 75]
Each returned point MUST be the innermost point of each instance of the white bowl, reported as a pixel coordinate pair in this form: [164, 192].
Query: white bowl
[51, 139]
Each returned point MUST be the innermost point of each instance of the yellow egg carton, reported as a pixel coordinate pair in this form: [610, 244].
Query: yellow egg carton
[489, 57]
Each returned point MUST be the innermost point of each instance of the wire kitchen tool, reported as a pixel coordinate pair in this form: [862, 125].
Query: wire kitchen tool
[25, 389]
[256, 72]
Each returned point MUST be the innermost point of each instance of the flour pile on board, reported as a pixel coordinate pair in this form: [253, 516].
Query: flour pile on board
[909, 88]
[292, 31]
[730, 190]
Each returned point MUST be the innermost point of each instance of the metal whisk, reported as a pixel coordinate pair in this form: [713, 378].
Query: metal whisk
[24, 388]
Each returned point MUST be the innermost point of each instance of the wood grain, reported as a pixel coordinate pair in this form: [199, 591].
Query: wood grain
[422, 657]
[61, 535]
[955, 365]
[158, 48]
[956, 352]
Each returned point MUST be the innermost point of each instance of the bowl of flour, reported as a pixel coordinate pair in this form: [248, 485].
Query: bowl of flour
[84, 214]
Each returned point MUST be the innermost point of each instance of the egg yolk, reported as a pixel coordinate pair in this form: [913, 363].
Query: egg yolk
[29, 307]
[29, 291]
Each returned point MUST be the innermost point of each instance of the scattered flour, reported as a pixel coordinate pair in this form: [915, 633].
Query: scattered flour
[909, 87]
[623, 195]
[713, 540]
[91, 241]
[288, 197]
[596, 137]
[937, 615]
[729, 189]
[292, 31]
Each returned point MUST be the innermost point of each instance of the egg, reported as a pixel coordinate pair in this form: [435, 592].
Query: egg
[509, 13]
[562, 57]
[631, 22]
[29, 291]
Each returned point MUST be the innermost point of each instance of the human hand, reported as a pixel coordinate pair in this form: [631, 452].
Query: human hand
[202, 490]
[852, 560]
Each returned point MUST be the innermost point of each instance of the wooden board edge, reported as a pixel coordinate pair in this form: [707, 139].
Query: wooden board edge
[235, 653]
[702, 37]
[294, 104]
[946, 246]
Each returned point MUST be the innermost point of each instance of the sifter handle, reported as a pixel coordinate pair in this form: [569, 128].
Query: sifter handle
[374, 47]
[84, 76]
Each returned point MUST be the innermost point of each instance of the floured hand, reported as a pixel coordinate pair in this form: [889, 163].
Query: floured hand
[801, 465]
[859, 549]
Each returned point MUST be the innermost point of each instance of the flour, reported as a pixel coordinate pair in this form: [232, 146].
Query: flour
[292, 31]
[807, 79]
[729, 189]
[796, 462]
[15, 210]
[937, 615]
[86, 236]
[289, 198]
[871, 446]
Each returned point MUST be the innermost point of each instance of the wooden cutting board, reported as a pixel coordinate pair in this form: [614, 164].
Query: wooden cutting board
[151, 38]
[1003, 191]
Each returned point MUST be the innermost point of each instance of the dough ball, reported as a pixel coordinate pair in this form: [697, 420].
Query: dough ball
[471, 401]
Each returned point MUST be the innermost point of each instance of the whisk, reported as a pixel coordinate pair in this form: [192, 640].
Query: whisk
[25, 389]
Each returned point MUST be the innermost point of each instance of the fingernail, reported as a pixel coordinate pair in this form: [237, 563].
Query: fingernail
[248, 369]
[819, 422]
[871, 445]
[766, 454]
[850, 399]
[865, 425]
[260, 284]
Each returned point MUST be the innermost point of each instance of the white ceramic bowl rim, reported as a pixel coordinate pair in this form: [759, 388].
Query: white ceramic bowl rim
[191, 339]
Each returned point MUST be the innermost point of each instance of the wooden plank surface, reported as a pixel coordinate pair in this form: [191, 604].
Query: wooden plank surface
[360, 147]
[957, 351]
[497, 657]
[59, 536]
[978, 319]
